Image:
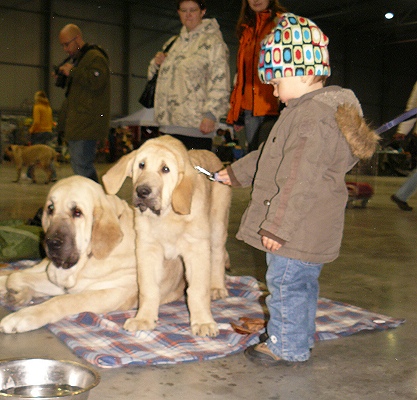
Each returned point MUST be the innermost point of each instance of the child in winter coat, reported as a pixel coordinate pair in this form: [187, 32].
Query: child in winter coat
[297, 206]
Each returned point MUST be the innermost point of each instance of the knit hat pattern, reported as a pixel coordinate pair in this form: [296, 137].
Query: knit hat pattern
[295, 47]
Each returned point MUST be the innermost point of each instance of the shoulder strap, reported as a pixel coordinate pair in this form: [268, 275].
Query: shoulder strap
[88, 47]
[170, 45]
[100, 49]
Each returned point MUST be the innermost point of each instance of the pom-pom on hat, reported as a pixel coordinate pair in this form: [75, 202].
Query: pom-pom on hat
[295, 47]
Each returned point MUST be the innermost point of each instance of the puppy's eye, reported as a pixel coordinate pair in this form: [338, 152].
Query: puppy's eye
[165, 169]
[76, 212]
[50, 209]
[141, 165]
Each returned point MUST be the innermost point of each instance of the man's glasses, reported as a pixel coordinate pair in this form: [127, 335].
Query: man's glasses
[66, 44]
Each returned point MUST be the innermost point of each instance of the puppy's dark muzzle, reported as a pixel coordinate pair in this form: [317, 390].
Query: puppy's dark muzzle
[54, 244]
[145, 199]
[143, 192]
[61, 250]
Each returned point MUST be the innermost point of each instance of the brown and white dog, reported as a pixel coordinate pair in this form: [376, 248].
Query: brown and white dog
[179, 214]
[91, 261]
[38, 155]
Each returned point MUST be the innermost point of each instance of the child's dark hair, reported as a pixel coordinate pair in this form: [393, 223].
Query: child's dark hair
[201, 3]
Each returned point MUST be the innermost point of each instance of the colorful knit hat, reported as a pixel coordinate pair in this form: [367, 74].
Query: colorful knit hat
[295, 47]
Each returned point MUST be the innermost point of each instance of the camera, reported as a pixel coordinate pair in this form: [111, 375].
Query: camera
[61, 79]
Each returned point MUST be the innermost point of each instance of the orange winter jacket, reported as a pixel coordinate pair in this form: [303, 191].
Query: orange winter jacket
[249, 92]
[42, 117]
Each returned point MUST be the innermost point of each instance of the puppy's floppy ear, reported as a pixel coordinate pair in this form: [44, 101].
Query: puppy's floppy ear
[113, 179]
[183, 193]
[45, 220]
[106, 233]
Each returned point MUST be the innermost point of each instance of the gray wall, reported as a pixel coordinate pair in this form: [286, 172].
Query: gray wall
[131, 32]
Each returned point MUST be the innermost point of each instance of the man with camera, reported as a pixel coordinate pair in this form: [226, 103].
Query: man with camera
[85, 113]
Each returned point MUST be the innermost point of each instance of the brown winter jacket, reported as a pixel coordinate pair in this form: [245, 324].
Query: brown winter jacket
[299, 192]
[85, 113]
[264, 102]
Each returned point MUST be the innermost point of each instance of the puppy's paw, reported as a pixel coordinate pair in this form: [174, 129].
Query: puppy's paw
[19, 298]
[208, 329]
[134, 325]
[20, 321]
[219, 293]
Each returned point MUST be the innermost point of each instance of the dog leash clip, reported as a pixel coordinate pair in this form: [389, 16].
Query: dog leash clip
[210, 175]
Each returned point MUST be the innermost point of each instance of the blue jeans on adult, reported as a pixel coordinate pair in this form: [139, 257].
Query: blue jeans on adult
[41, 137]
[408, 187]
[82, 155]
[252, 124]
[294, 288]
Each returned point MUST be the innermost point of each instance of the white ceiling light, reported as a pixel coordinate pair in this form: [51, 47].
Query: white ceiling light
[389, 15]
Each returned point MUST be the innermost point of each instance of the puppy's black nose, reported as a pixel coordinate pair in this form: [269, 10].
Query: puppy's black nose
[143, 191]
[53, 243]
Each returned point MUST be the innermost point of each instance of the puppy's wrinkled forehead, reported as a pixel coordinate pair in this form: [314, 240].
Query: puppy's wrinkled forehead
[156, 159]
[70, 200]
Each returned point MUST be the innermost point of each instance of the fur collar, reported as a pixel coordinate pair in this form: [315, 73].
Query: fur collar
[361, 138]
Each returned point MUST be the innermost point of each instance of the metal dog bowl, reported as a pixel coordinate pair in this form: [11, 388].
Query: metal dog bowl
[39, 378]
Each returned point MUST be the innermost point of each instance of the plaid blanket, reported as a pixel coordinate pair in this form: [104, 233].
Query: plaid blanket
[101, 340]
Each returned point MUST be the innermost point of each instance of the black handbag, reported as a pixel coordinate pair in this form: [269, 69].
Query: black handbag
[148, 96]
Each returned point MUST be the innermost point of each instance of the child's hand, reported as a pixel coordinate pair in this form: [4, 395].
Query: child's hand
[270, 244]
[223, 177]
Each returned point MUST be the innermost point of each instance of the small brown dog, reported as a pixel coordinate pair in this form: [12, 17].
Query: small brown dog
[38, 155]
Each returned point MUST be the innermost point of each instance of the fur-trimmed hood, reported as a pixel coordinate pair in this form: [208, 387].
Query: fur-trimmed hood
[361, 138]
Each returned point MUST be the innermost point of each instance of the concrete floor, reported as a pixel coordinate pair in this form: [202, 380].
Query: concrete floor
[376, 270]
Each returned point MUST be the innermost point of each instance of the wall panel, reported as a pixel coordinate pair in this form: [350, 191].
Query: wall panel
[381, 73]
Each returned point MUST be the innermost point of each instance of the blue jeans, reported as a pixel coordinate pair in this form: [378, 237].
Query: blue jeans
[408, 187]
[252, 124]
[82, 155]
[294, 288]
[41, 137]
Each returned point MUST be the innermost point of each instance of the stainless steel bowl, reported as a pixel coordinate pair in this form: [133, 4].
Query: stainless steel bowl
[38, 378]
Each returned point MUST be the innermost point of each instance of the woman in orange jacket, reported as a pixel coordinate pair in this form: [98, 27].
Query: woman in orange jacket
[251, 101]
[41, 129]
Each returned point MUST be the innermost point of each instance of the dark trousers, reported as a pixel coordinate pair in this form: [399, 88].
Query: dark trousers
[191, 142]
[82, 155]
